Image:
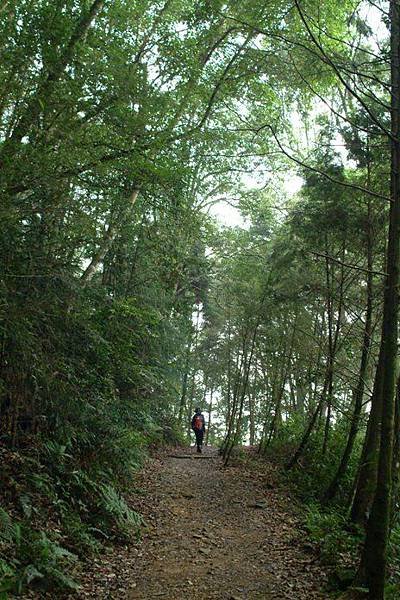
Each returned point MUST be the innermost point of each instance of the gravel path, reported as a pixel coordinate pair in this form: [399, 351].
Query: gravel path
[211, 533]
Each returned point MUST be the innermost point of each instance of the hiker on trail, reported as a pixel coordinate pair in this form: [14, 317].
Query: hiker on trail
[199, 427]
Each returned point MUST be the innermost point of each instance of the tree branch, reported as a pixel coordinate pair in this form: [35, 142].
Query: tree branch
[108, 239]
[315, 170]
[34, 106]
[343, 264]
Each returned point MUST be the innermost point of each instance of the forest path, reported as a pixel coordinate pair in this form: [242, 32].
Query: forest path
[211, 533]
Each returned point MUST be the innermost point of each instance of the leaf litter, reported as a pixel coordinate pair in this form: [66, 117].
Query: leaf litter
[214, 532]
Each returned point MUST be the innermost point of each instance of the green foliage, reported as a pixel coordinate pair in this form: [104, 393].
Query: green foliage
[329, 529]
[392, 591]
[394, 559]
[112, 507]
[8, 530]
[85, 503]
[167, 102]
[311, 477]
[27, 556]
[80, 537]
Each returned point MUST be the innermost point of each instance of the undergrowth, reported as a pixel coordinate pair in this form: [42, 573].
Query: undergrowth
[337, 542]
[333, 539]
[57, 510]
[95, 388]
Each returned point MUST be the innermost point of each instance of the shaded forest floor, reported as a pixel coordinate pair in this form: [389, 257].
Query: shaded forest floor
[210, 532]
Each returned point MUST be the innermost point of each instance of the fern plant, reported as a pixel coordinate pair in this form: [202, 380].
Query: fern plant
[28, 556]
[114, 508]
[9, 531]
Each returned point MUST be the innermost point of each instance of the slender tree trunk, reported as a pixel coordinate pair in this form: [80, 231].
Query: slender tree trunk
[359, 391]
[210, 407]
[247, 368]
[315, 415]
[236, 390]
[303, 444]
[378, 526]
[267, 409]
[246, 373]
[293, 396]
[318, 331]
[268, 423]
[333, 337]
[396, 455]
[194, 372]
[182, 402]
[277, 418]
[367, 471]
[229, 369]
[278, 389]
[329, 396]
[252, 402]
[329, 311]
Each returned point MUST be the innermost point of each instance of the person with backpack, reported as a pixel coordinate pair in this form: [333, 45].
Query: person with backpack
[199, 427]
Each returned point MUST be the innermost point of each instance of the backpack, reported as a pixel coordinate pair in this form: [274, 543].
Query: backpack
[198, 422]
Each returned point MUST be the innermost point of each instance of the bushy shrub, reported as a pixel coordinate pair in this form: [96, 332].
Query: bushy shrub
[394, 561]
[315, 470]
[327, 524]
[338, 546]
[96, 374]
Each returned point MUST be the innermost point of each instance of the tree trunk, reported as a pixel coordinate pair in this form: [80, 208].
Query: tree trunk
[252, 418]
[396, 455]
[367, 471]
[194, 372]
[333, 336]
[378, 526]
[210, 406]
[359, 391]
[246, 373]
[236, 390]
[304, 441]
[182, 402]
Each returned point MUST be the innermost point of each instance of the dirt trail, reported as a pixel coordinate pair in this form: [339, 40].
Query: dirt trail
[212, 533]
